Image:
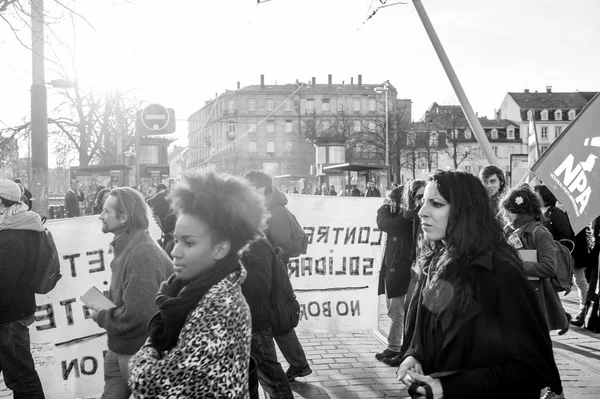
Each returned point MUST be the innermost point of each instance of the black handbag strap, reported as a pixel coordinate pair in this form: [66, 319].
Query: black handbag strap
[412, 390]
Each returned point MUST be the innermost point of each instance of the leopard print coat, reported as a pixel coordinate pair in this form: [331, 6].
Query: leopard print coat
[212, 354]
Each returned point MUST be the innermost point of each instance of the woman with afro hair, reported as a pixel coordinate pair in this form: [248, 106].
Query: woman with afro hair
[199, 344]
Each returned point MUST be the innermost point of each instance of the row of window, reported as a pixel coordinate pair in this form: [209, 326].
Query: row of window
[544, 131]
[310, 104]
[558, 114]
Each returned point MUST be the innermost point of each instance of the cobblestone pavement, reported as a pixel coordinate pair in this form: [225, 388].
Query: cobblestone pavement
[344, 365]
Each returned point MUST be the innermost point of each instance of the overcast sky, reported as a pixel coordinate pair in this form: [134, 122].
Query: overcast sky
[180, 53]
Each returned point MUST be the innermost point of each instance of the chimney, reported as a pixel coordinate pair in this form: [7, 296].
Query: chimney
[329, 79]
[526, 91]
[360, 80]
[548, 89]
[352, 80]
[313, 80]
[238, 85]
[262, 80]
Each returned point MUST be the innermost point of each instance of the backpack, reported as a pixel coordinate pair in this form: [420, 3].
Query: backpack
[46, 271]
[565, 264]
[285, 309]
[299, 236]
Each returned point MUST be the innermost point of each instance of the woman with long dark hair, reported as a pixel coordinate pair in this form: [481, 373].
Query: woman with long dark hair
[199, 344]
[478, 332]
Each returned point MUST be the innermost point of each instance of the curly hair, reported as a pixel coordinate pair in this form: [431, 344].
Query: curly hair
[410, 191]
[523, 202]
[472, 230]
[490, 170]
[230, 207]
[546, 195]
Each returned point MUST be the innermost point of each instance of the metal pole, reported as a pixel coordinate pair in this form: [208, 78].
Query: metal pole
[137, 159]
[387, 134]
[458, 90]
[39, 112]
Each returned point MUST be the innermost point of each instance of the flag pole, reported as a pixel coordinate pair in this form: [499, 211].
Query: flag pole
[458, 90]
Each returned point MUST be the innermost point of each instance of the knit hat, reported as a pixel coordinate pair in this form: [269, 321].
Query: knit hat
[10, 190]
[518, 201]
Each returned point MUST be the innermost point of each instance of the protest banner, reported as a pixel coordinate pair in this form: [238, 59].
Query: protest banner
[568, 167]
[335, 282]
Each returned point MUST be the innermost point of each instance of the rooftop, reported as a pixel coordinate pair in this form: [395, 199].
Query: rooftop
[545, 100]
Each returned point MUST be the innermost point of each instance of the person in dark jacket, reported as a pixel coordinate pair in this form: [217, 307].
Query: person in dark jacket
[159, 204]
[279, 234]
[26, 193]
[592, 269]
[478, 328]
[394, 275]
[372, 191]
[72, 199]
[20, 235]
[557, 222]
[259, 260]
[494, 181]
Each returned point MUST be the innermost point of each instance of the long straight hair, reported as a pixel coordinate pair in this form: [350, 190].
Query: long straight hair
[132, 204]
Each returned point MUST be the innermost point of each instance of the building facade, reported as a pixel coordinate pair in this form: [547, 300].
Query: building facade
[552, 112]
[273, 127]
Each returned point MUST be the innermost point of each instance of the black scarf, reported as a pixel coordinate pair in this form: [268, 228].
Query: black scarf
[176, 298]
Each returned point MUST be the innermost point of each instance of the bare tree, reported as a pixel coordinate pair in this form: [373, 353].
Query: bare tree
[454, 124]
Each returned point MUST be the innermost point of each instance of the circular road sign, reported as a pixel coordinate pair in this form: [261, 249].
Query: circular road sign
[155, 117]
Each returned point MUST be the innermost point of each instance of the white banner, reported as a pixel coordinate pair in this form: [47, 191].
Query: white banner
[335, 282]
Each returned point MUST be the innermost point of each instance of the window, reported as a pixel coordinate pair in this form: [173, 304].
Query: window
[433, 139]
[356, 104]
[544, 115]
[530, 115]
[231, 105]
[357, 126]
[288, 105]
[410, 138]
[468, 168]
[571, 114]
[326, 125]
[372, 126]
[252, 127]
[232, 147]
[340, 104]
[467, 134]
[310, 105]
[495, 149]
[558, 115]
[544, 134]
[231, 127]
[434, 160]
[336, 154]
[325, 105]
[288, 126]
[271, 148]
[149, 154]
[252, 147]
[422, 162]
[372, 105]
[454, 134]
[557, 131]
[543, 149]
[510, 133]
[270, 104]
[289, 146]
[511, 149]
[270, 126]
[494, 134]
[251, 104]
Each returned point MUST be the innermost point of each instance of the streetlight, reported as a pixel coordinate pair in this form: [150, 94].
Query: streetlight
[379, 90]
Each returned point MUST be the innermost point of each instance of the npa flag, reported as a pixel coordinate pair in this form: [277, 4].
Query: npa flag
[568, 168]
[533, 147]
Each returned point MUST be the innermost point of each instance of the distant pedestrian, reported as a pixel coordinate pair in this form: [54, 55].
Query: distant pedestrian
[138, 268]
[332, 191]
[199, 345]
[295, 191]
[372, 191]
[20, 237]
[324, 190]
[72, 199]
[478, 330]
[355, 192]
[159, 204]
[317, 191]
[26, 193]
[494, 181]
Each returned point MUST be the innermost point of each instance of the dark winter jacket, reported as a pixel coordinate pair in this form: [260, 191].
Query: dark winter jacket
[259, 261]
[372, 192]
[394, 276]
[279, 231]
[557, 222]
[20, 237]
[72, 201]
[498, 348]
[160, 208]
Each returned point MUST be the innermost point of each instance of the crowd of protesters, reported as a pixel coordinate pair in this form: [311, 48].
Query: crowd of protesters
[470, 316]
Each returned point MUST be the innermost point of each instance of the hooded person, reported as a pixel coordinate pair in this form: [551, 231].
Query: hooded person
[20, 234]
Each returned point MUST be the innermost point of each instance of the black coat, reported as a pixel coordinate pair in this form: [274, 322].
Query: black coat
[259, 261]
[394, 275]
[499, 347]
[18, 254]
[557, 222]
